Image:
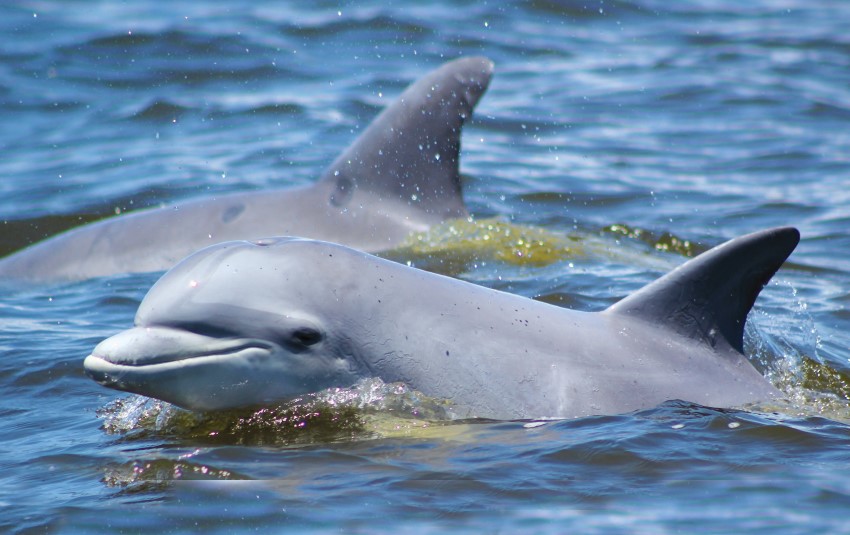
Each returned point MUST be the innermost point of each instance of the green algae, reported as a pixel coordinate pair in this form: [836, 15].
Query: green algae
[661, 241]
[459, 243]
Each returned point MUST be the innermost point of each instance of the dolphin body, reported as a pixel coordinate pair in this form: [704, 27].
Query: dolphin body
[400, 176]
[242, 324]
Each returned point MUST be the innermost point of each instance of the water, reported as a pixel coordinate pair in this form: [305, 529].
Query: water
[639, 130]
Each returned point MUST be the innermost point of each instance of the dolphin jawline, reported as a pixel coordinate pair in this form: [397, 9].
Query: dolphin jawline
[110, 374]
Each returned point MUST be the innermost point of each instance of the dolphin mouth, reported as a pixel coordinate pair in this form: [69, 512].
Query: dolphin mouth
[153, 350]
[190, 370]
[129, 377]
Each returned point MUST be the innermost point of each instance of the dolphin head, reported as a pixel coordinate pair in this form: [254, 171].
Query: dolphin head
[236, 324]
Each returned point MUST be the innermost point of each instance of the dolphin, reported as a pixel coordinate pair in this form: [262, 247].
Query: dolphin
[249, 323]
[400, 176]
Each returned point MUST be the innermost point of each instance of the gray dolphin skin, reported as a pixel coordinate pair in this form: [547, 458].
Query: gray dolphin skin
[241, 324]
[401, 175]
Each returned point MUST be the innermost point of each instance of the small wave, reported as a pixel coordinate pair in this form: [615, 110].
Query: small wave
[687, 94]
[168, 43]
[583, 9]
[752, 100]
[276, 109]
[781, 157]
[168, 57]
[41, 105]
[160, 109]
[830, 110]
[237, 72]
[332, 24]
[123, 40]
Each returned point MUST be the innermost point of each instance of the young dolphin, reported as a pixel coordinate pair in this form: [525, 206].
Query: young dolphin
[401, 175]
[242, 323]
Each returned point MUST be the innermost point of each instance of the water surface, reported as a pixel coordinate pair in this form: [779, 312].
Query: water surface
[638, 131]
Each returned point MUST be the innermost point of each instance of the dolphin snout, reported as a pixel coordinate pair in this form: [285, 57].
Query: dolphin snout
[135, 348]
[102, 372]
[187, 369]
[146, 346]
[142, 346]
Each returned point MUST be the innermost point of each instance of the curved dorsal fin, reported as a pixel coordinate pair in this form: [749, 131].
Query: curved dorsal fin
[411, 150]
[710, 296]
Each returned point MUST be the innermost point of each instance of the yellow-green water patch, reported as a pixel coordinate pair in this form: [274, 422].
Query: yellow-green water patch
[460, 242]
[663, 241]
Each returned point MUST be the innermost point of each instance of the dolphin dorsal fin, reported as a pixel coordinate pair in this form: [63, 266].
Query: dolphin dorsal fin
[410, 152]
[708, 298]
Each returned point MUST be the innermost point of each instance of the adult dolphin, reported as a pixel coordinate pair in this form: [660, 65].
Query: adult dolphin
[249, 323]
[401, 175]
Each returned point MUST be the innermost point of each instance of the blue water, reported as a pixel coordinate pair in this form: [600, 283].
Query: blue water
[697, 120]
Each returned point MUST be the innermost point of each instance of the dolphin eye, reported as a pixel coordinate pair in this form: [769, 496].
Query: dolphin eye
[306, 336]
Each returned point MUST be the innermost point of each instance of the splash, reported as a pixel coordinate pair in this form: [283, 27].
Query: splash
[789, 357]
[812, 388]
[369, 409]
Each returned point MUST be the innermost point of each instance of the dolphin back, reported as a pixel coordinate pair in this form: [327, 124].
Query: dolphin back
[411, 151]
[708, 298]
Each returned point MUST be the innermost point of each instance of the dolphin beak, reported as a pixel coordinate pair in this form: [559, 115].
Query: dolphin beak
[146, 360]
[142, 346]
[146, 346]
[139, 347]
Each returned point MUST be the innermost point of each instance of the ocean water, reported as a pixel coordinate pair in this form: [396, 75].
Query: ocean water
[640, 131]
